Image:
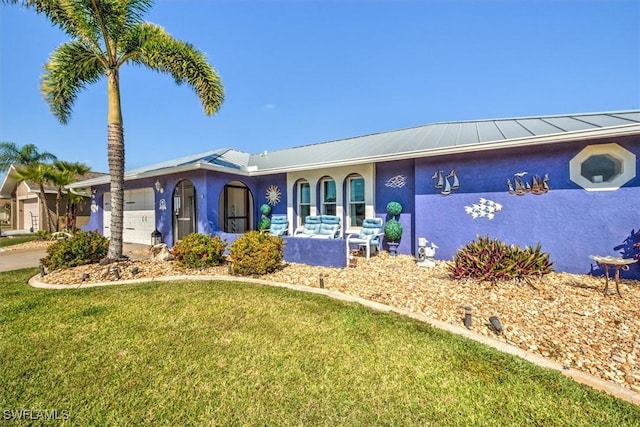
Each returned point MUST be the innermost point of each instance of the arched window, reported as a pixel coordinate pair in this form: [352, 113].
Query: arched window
[356, 200]
[328, 196]
[304, 200]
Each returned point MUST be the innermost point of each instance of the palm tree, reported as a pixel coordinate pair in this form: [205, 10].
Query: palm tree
[28, 156]
[105, 35]
[40, 174]
[12, 154]
[73, 201]
[64, 173]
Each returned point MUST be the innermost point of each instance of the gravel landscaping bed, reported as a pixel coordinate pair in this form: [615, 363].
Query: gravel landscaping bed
[564, 317]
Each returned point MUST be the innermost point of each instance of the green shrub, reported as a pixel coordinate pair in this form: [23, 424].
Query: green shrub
[264, 224]
[265, 209]
[43, 235]
[393, 230]
[85, 247]
[255, 254]
[493, 260]
[394, 209]
[198, 250]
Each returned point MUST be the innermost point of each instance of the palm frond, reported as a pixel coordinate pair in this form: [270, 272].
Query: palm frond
[150, 45]
[70, 68]
[11, 153]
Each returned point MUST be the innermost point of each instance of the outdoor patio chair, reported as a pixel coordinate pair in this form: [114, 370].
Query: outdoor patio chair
[279, 226]
[310, 228]
[370, 236]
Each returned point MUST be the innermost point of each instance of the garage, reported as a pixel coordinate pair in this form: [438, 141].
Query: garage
[139, 216]
[31, 214]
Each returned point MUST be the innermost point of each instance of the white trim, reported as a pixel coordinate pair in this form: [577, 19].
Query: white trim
[561, 137]
[625, 157]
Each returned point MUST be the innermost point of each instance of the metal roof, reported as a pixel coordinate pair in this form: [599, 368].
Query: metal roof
[427, 140]
[439, 137]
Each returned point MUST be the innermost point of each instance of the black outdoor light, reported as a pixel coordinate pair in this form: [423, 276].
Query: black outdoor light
[85, 276]
[495, 323]
[467, 317]
[116, 273]
[156, 237]
[134, 271]
[321, 281]
[42, 272]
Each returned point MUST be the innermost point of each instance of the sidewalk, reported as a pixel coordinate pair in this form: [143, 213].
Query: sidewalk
[25, 258]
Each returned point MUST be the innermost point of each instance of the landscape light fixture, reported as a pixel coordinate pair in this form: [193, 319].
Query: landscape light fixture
[467, 317]
[156, 237]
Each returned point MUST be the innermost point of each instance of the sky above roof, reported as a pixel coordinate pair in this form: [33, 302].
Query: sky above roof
[299, 72]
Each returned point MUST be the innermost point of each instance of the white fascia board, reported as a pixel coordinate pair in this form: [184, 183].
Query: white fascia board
[624, 130]
[609, 132]
[157, 172]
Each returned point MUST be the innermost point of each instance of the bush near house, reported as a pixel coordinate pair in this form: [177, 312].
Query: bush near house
[84, 247]
[256, 254]
[199, 250]
[493, 260]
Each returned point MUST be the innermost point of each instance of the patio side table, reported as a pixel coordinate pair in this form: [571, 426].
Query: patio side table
[617, 264]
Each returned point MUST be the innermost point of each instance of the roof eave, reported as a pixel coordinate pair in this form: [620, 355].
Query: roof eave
[624, 130]
[157, 172]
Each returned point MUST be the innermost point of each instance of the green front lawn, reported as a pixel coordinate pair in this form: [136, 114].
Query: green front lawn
[217, 353]
[9, 241]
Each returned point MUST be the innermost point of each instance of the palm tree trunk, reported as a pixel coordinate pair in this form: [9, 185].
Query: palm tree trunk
[43, 202]
[115, 154]
[58, 199]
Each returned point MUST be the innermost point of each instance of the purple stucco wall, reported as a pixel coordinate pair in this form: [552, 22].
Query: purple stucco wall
[208, 187]
[395, 183]
[569, 222]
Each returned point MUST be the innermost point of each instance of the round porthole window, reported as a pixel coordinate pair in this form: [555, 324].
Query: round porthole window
[603, 167]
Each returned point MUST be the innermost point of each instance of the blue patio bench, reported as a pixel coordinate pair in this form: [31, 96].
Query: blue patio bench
[320, 227]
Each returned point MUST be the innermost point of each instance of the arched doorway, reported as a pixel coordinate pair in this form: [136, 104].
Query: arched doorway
[184, 209]
[235, 206]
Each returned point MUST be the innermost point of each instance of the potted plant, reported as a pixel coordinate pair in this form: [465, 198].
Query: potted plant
[392, 228]
[264, 222]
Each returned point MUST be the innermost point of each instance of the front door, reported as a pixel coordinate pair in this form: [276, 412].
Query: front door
[184, 210]
[237, 206]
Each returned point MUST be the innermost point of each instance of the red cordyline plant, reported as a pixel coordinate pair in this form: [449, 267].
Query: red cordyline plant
[492, 260]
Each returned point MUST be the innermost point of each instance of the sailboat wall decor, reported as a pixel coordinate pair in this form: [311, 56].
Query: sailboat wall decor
[521, 186]
[448, 183]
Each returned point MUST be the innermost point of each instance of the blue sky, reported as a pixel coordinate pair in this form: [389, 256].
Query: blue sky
[298, 72]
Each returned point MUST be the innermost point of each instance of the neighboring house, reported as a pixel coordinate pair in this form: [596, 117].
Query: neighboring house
[25, 211]
[568, 182]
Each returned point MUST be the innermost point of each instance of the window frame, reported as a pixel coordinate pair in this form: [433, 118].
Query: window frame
[352, 205]
[626, 159]
[301, 204]
[323, 196]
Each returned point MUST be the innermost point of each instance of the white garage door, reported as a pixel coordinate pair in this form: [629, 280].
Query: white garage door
[139, 216]
[30, 216]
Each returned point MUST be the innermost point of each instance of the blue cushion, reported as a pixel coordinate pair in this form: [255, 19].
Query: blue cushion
[330, 219]
[311, 219]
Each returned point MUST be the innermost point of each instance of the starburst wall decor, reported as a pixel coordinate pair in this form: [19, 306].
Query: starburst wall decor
[273, 195]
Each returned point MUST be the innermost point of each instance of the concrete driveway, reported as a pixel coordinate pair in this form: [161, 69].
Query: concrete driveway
[25, 258]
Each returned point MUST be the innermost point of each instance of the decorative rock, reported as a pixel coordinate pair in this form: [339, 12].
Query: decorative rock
[618, 358]
[160, 253]
[559, 330]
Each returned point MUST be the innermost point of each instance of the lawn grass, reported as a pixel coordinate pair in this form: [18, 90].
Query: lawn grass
[14, 240]
[220, 353]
